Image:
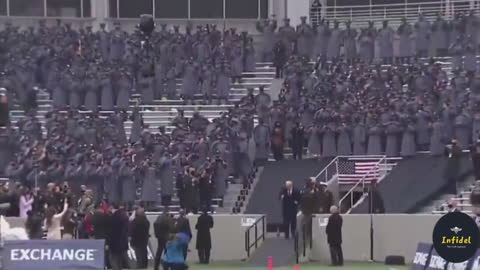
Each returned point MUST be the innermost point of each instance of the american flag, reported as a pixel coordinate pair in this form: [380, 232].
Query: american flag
[355, 171]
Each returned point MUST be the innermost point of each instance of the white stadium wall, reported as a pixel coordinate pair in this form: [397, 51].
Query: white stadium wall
[393, 235]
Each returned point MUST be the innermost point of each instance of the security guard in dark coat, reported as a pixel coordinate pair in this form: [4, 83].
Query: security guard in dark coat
[204, 240]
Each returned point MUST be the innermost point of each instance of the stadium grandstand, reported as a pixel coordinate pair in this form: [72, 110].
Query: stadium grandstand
[237, 134]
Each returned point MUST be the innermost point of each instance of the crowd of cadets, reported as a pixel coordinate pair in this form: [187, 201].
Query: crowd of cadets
[193, 162]
[93, 70]
[457, 37]
[334, 107]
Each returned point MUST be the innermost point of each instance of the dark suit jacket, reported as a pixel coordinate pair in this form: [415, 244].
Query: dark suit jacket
[163, 226]
[290, 202]
[139, 231]
[183, 226]
[100, 223]
[118, 234]
[334, 229]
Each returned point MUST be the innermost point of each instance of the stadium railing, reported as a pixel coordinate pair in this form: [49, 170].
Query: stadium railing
[363, 182]
[248, 244]
[395, 11]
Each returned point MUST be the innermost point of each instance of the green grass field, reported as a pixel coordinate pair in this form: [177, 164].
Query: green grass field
[309, 266]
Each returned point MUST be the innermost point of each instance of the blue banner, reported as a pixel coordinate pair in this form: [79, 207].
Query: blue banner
[436, 262]
[422, 256]
[54, 255]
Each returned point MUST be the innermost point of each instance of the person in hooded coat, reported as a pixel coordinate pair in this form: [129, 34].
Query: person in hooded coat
[334, 42]
[322, 32]
[261, 137]
[236, 63]
[171, 83]
[329, 146]
[76, 92]
[470, 60]
[104, 39]
[437, 140]
[456, 51]
[223, 81]
[106, 96]
[392, 132]
[440, 36]
[344, 142]
[126, 178]
[385, 41]
[374, 145]
[150, 184]
[359, 139]
[124, 88]
[366, 41]
[59, 86]
[463, 127]
[146, 85]
[422, 36]
[190, 80]
[305, 37]
[405, 32]
[350, 42]
[91, 93]
[267, 27]
[408, 147]
[423, 130]
[249, 53]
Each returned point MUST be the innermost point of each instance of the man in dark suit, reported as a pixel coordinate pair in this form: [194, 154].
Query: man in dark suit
[139, 229]
[204, 240]
[101, 225]
[117, 242]
[297, 141]
[290, 197]
[452, 170]
[163, 227]
[334, 236]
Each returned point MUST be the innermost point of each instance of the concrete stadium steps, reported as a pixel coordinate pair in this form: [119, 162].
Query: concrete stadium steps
[462, 199]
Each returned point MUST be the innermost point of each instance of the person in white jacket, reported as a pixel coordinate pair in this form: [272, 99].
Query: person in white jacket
[53, 222]
[26, 202]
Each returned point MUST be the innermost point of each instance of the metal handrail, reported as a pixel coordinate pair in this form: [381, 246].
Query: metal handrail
[395, 4]
[254, 226]
[325, 170]
[381, 11]
[361, 181]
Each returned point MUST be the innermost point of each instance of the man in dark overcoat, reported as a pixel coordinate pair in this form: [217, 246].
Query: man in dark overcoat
[204, 239]
[334, 236]
[290, 198]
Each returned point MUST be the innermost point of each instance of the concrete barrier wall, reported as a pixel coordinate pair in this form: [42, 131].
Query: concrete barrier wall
[393, 235]
[228, 236]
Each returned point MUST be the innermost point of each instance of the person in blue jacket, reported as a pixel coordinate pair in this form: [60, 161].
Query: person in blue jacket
[173, 258]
